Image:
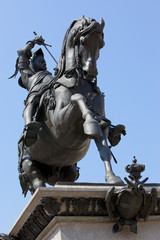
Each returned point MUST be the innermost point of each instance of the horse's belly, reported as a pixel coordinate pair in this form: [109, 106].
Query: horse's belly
[48, 152]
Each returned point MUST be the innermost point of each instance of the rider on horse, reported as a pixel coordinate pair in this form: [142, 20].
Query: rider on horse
[72, 113]
[36, 79]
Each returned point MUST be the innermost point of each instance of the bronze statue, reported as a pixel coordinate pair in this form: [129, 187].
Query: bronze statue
[63, 113]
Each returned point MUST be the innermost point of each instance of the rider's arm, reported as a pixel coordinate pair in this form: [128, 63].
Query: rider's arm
[24, 55]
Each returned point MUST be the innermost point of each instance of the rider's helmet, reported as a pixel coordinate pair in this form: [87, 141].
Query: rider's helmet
[37, 61]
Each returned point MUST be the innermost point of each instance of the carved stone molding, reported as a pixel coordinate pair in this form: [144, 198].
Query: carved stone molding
[51, 207]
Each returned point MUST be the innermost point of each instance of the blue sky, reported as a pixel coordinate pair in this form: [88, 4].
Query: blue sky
[129, 75]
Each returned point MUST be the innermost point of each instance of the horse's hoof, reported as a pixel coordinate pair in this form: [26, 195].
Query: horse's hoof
[92, 128]
[114, 180]
[77, 97]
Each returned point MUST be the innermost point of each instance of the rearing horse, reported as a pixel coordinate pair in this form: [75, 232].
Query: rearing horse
[76, 117]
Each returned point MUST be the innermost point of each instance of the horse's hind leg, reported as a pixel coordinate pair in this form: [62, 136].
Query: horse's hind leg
[90, 125]
[64, 174]
[70, 173]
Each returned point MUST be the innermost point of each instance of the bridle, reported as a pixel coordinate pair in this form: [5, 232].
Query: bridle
[78, 36]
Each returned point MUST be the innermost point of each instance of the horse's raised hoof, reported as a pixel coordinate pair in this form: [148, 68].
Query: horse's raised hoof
[114, 180]
[92, 128]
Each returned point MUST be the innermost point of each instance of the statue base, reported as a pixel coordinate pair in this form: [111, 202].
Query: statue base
[78, 211]
[96, 228]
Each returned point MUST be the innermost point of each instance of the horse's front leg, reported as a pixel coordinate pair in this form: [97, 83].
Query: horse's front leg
[64, 117]
[71, 107]
[105, 155]
[91, 126]
[65, 113]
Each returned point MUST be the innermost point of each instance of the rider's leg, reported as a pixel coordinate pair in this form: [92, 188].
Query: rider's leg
[33, 173]
[91, 126]
[31, 127]
[30, 109]
[29, 112]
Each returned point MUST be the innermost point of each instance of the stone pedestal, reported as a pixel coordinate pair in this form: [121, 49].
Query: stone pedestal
[97, 228]
[78, 212]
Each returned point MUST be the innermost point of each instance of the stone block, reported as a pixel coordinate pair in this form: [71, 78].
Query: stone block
[77, 211]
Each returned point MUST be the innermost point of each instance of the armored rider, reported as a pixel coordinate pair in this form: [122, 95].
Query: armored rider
[36, 79]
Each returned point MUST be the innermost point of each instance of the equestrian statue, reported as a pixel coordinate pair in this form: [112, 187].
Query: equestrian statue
[65, 111]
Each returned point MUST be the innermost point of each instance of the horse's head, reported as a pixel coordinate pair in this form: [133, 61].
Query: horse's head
[81, 46]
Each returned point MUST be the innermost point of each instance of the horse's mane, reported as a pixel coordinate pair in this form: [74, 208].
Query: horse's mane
[61, 63]
[85, 25]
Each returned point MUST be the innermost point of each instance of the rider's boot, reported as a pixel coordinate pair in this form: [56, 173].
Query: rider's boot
[115, 134]
[32, 126]
[91, 126]
[30, 133]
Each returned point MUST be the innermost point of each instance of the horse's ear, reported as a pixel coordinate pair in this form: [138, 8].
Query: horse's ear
[84, 21]
[102, 23]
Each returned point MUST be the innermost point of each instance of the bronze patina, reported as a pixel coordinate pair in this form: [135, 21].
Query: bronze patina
[65, 111]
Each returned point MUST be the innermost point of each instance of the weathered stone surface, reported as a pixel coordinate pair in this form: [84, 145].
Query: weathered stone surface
[97, 228]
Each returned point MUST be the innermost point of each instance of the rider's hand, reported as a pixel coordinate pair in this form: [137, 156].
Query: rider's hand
[39, 40]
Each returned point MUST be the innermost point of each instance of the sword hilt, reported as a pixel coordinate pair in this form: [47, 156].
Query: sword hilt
[45, 44]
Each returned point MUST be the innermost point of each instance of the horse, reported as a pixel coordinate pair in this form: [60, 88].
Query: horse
[71, 114]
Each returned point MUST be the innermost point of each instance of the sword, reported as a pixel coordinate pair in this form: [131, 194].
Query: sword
[45, 45]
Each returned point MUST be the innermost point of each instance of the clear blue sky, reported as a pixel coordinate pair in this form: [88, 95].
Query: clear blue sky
[129, 74]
